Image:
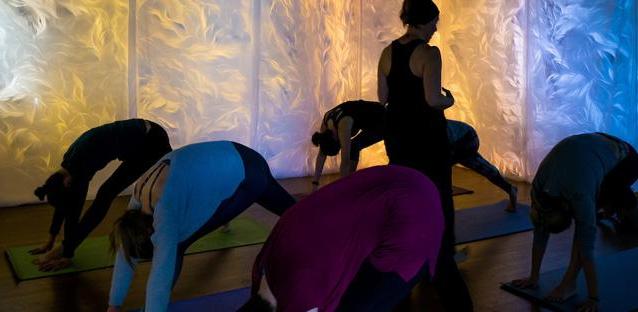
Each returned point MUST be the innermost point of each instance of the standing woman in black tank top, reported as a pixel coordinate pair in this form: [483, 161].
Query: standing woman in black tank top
[409, 81]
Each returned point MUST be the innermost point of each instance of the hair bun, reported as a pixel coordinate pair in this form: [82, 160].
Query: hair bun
[40, 192]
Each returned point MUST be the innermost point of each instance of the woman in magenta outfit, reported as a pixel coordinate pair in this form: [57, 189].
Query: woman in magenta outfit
[359, 244]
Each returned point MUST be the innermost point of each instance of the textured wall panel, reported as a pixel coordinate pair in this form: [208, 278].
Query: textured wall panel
[309, 62]
[62, 71]
[582, 71]
[380, 25]
[482, 46]
[194, 68]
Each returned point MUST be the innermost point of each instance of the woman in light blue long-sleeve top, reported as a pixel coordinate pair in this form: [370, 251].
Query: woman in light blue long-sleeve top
[187, 194]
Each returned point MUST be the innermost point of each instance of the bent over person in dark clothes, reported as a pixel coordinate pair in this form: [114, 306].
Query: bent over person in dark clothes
[137, 143]
[189, 193]
[582, 176]
[350, 127]
[358, 244]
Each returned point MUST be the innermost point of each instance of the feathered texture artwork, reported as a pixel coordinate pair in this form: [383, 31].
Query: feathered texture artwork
[525, 74]
[63, 70]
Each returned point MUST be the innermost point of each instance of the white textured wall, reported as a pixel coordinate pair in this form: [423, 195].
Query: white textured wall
[525, 73]
[581, 70]
[62, 71]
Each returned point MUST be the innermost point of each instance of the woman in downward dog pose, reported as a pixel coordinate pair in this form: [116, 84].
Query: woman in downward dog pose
[358, 244]
[187, 194]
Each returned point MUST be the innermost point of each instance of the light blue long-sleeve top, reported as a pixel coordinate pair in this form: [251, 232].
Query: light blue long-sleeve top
[574, 170]
[200, 177]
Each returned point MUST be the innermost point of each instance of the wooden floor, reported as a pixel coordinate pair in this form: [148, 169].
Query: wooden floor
[490, 262]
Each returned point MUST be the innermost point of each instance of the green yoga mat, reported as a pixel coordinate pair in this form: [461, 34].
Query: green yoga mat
[94, 253]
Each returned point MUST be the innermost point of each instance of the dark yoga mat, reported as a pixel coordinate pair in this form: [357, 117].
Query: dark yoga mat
[480, 223]
[456, 190]
[94, 253]
[617, 276]
[224, 301]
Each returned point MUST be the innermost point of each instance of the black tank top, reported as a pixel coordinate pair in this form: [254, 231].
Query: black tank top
[407, 106]
[365, 114]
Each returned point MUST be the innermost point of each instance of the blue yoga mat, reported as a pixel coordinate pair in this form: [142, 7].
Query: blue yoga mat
[484, 222]
[617, 276]
[221, 302]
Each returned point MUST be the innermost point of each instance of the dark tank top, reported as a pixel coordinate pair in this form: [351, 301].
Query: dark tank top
[366, 115]
[407, 108]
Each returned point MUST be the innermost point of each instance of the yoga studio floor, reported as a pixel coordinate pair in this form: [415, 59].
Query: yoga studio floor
[490, 262]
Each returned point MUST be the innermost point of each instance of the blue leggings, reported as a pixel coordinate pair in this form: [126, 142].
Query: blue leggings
[258, 186]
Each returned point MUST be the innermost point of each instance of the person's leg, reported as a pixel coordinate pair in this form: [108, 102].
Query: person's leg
[260, 182]
[123, 176]
[156, 142]
[447, 280]
[275, 198]
[361, 141]
[373, 290]
[450, 286]
[616, 196]
[483, 167]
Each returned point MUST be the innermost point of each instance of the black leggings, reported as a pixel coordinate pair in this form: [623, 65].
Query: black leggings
[258, 186]
[372, 290]
[364, 139]
[428, 151]
[615, 189]
[156, 145]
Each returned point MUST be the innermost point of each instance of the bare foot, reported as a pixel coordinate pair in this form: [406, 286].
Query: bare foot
[561, 294]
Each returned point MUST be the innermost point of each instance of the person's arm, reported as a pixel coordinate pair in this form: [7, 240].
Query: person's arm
[56, 223]
[122, 271]
[584, 208]
[54, 230]
[432, 80]
[164, 266]
[120, 280]
[345, 140]
[538, 252]
[319, 162]
[382, 75]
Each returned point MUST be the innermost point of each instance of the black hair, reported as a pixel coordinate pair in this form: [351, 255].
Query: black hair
[256, 304]
[53, 189]
[418, 12]
[326, 142]
[132, 235]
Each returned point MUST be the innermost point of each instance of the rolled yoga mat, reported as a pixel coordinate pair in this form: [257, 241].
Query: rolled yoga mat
[94, 252]
[617, 276]
[230, 300]
[484, 222]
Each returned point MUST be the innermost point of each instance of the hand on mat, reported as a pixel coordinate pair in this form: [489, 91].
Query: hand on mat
[55, 264]
[47, 260]
[561, 293]
[44, 248]
[525, 283]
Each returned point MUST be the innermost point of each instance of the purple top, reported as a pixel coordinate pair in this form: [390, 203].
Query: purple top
[390, 215]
